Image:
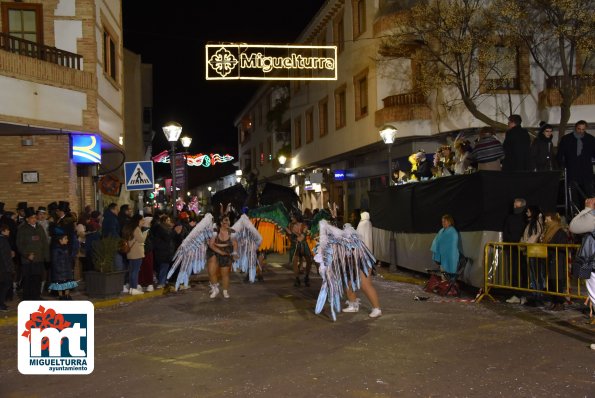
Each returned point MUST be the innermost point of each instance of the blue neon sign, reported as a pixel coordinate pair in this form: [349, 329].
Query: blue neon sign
[86, 148]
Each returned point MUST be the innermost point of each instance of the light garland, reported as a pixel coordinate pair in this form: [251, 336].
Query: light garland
[196, 160]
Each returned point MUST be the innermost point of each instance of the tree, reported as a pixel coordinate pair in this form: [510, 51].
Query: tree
[559, 35]
[454, 45]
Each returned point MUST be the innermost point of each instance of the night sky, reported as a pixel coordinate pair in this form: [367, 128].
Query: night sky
[172, 38]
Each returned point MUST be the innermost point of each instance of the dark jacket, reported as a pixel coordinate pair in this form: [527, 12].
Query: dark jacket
[542, 154]
[32, 239]
[514, 226]
[110, 226]
[424, 170]
[163, 244]
[6, 263]
[61, 264]
[578, 167]
[517, 149]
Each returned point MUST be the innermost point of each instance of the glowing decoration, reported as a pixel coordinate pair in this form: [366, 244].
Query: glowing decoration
[270, 62]
[86, 148]
[196, 160]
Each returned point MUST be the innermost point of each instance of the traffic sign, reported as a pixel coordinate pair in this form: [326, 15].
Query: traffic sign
[139, 175]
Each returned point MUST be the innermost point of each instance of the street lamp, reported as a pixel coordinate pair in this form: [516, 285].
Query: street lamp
[388, 134]
[238, 176]
[172, 131]
[282, 159]
[186, 141]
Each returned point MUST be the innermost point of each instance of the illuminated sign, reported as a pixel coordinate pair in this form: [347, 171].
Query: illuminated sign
[270, 62]
[86, 148]
[339, 175]
[196, 160]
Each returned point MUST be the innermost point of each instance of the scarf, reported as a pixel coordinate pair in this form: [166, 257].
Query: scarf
[579, 143]
[550, 230]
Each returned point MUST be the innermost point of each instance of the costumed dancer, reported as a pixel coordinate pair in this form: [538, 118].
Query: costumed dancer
[299, 249]
[270, 222]
[345, 262]
[218, 249]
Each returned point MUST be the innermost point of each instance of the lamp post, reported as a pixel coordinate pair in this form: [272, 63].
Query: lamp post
[172, 131]
[388, 134]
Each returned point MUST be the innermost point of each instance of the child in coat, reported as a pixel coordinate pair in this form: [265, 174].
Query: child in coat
[62, 273]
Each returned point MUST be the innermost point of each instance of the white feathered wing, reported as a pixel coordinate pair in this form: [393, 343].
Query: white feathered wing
[248, 239]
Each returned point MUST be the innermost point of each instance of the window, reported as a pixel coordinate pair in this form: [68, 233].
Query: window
[323, 117]
[23, 20]
[339, 33]
[297, 132]
[309, 125]
[360, 84]
[340, 107]
[503, 72]
[359, 17]
[110, 54]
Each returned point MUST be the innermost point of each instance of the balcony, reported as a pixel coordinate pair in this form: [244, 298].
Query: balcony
[403, 107]
[585, 84]
[40, 51]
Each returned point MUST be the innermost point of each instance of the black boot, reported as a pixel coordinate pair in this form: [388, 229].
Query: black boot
[297, 282]
[307, 281]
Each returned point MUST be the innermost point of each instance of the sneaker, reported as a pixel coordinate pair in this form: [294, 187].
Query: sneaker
[513, 300]
[126, 288]
[184, 287]
[352, 307]
[225, 294]
[150, 288]
[136, 292]
[523, 300]
[214, 290]
[160, 286]
[375, 313]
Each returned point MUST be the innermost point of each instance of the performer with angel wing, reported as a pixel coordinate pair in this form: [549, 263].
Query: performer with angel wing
[346, 264]
[221, 253]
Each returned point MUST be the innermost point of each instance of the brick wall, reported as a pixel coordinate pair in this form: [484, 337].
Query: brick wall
[49, 156]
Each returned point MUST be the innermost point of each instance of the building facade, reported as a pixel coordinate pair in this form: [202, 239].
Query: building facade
[336, 153]
[61, 73]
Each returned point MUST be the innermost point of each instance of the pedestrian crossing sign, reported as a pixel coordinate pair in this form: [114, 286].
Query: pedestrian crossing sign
[139, 175]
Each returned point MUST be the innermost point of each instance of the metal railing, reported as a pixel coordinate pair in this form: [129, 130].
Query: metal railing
[404, 99]
[40, 51]
[531, 267]
[575, 81]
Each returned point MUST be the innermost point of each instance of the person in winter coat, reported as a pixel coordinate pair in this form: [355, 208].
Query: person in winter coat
[6, 265]
[512, 232]
[517, 146]
[163, 248]
[33, 247]
[110, 226]
[136, 242]
[555, 233]
[62, 274]
[542, 150]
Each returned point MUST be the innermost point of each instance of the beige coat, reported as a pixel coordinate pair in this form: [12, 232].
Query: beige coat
[137, 245]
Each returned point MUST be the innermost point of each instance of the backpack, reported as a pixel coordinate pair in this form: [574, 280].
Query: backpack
[584, 261]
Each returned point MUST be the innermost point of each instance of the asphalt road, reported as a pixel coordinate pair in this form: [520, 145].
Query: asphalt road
[266, 341]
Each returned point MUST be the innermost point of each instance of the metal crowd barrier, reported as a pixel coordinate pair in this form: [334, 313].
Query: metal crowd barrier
[542, 269]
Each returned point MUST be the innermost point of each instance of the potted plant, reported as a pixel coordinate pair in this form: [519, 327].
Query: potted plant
[105, 280]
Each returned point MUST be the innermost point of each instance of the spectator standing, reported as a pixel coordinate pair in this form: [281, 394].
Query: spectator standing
[517, 146]
[512, 232]
[575, 152]
[6, 265]
[110, 226]
[531, 234]
[163, 248]
[124, 217]
[488, 151]
[32, 245]
[582, 223]
[62, 275]
[555, 233]
[542, 150]
[136, 241]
